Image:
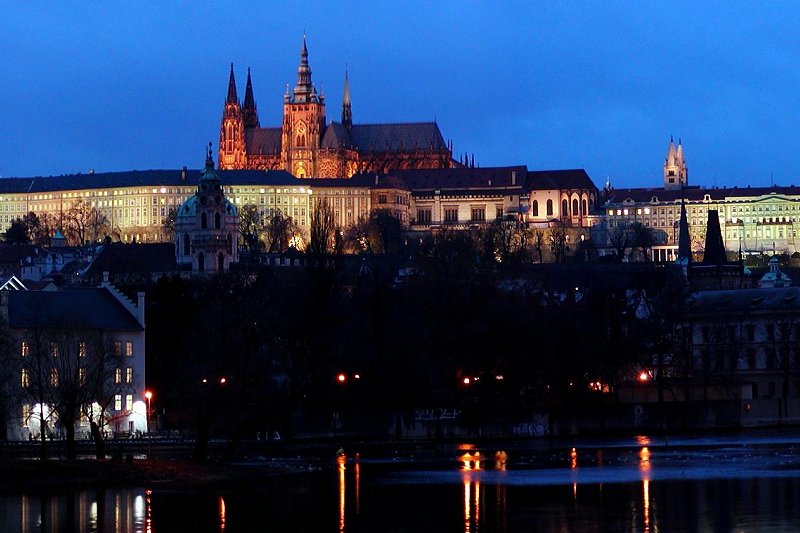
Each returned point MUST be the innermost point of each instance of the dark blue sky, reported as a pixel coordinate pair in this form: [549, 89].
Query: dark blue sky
[597, 85]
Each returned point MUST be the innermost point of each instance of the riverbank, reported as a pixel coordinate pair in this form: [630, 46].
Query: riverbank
[35, 475]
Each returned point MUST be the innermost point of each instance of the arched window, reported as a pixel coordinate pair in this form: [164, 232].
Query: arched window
[201, 262]
[203, 220]
[301, 140]
[585, 211]
[564, 208]
[221, 262]
[574, 207]
[535, 208]
[217, 220]
[186, 244]
[549, 208]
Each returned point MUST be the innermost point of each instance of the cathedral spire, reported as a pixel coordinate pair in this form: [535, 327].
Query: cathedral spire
[232, 97]
[250, 110]
[347, 110]
[304, 91]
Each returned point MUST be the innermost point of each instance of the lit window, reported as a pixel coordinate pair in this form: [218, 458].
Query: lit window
[82, 376]
[129, 375]
[129, 349]
[117, 348]
[25, 349]
[128, 402]
[26, 378]
[26, 414]
[118, 402]
[117, 375]
[81, 349]
[54, 349]
[54, 377]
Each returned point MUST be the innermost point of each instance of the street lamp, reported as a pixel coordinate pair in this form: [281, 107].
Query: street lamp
[148, 396]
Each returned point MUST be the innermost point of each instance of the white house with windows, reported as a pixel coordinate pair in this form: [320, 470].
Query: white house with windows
[76, 352]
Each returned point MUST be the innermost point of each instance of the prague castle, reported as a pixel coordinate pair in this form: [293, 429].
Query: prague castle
[308, 146]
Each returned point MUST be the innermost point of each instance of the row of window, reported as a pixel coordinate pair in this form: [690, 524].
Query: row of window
[25, 348]
[25, 378]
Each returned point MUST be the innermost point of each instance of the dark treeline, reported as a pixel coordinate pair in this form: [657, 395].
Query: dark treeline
[255, 351]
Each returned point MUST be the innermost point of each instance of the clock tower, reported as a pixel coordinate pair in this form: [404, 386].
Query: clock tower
[303, 123]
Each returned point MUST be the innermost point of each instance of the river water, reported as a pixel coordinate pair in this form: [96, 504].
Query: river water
[736, 483]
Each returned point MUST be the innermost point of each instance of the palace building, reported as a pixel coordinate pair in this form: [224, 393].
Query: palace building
[752, 219]
[307, 145]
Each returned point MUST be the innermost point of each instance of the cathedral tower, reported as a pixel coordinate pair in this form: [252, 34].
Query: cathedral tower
[303, 123]
[676, 173]
[250, 110]
[231, 135]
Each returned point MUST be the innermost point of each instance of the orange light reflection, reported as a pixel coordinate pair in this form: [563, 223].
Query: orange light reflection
[221, 514]
[341, 460]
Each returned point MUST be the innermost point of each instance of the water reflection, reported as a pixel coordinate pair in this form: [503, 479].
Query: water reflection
[81, 511]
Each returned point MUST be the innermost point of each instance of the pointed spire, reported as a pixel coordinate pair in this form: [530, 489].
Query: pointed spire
[347, 110]
[304, 90]
[714, 253]
[684, 244]
[250, 109]
[232, 97]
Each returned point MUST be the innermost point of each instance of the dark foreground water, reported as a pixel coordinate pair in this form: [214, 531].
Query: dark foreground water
[734, 483]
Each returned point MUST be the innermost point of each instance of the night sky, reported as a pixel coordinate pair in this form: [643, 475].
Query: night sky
[598, 85]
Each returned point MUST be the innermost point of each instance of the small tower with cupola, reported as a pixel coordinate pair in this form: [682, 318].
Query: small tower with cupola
[206, 226]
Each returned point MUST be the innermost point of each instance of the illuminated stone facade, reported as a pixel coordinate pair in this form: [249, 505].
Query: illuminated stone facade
[752, 219]
[308, 146]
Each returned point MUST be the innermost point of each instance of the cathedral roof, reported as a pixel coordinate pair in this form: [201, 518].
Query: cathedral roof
[402, 137]
[336, 136]
[263, 140]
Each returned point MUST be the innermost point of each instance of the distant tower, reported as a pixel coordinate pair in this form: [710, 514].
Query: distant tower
[676, 173]
[231, 135]
[303, 123]
[347, 110]
[250, 110]
[206, 226]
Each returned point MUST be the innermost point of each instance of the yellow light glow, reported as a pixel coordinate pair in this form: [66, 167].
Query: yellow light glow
[573, 458]
[644, 376]
[341, 378]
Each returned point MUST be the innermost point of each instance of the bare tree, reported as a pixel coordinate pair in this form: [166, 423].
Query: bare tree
[168, 223]
[558, 242]
[281, 232]
[322, 238]
[84, 223]
[251, 226]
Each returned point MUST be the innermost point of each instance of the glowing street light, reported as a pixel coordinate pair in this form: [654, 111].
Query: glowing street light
[341, 377]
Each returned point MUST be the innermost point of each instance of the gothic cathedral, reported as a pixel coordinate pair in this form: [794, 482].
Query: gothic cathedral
[308, 146]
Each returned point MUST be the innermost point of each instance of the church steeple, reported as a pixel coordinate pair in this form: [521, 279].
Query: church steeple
[675, 171]
[347, 110]
[232, 96]
[250, 110]
[304, 90]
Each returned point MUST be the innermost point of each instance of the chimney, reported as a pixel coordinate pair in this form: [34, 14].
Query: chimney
[513, 177]
[376, 179]
[183, 173]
